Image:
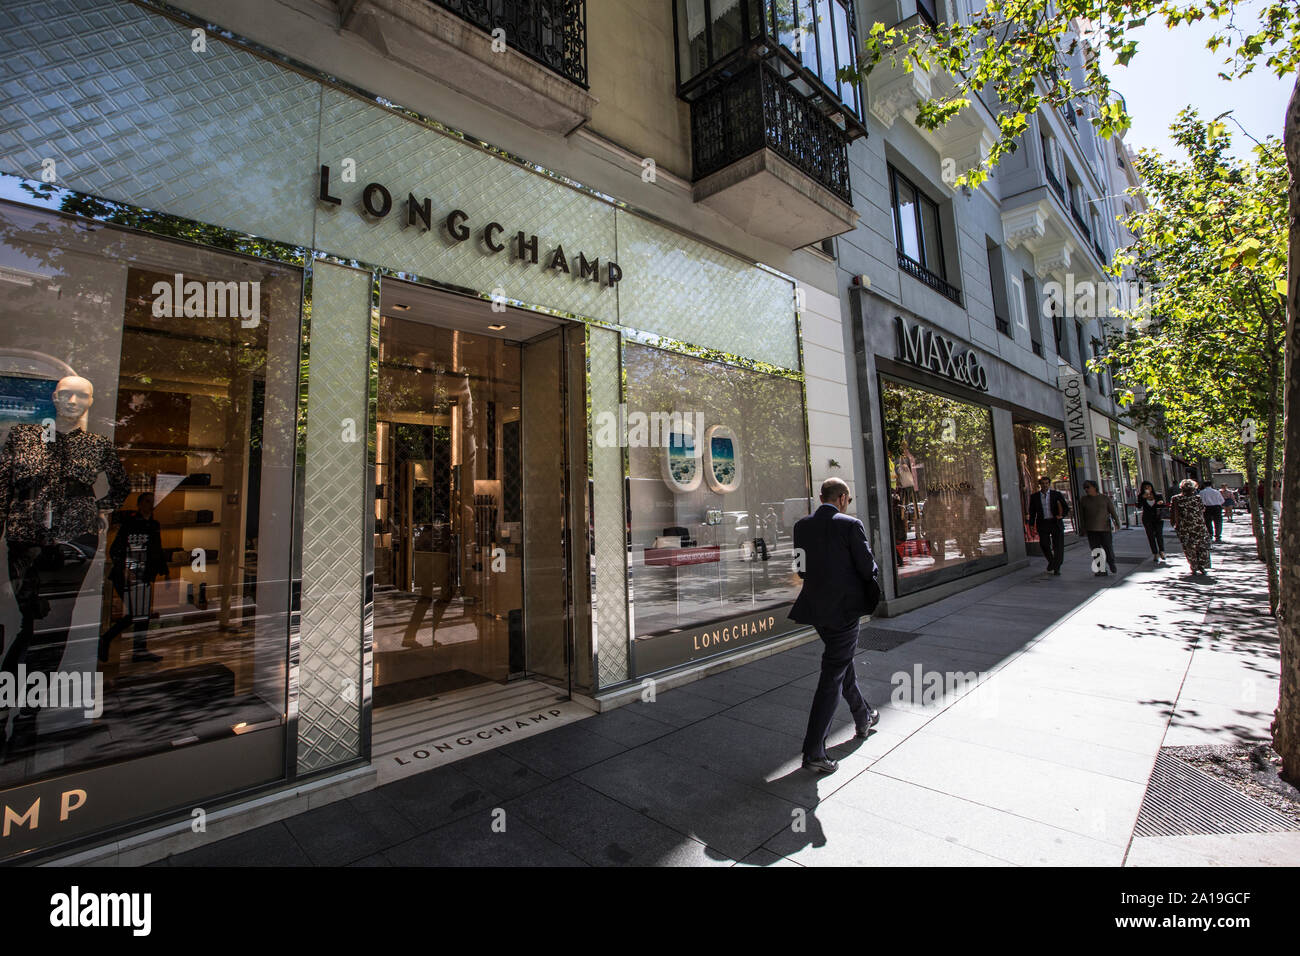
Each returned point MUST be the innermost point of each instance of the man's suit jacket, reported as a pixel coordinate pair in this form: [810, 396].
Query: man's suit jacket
[1060, 507]
[838, 569]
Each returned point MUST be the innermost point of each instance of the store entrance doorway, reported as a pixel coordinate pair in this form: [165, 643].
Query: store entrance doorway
[471, 588]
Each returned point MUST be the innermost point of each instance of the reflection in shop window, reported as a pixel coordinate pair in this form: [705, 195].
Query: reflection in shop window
[943, 494]
[145, 487]
[1041, 452]
[703, 550]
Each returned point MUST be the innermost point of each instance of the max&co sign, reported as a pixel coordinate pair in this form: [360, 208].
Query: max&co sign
[931, 351]
[491, 238]
[1078, 420]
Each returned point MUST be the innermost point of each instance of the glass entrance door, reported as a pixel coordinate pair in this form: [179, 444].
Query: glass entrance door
[470, 492]
[448, 528]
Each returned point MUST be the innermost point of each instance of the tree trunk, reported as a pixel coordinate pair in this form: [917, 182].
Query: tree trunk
[1286, 724]
[1270, 469]
[1252, 501]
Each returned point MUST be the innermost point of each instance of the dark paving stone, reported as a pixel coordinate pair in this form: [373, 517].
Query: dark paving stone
[348, 830]
[627, 727]
[471, 841]
[763, 759]
[558, 753]
[436, 797]
[603, 832]
[678, 707]
[377, 859]
[726, 690]
[762, 679]
[501, 774]
[719, 812]
[271, 845]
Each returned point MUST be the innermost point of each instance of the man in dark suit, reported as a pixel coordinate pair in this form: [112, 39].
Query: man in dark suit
[1047, 513]
[839, 587]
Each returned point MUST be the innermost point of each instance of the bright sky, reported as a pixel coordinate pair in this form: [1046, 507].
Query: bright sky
[1172, 69]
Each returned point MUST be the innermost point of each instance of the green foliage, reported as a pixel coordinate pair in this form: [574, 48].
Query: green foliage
[1013, 55]
[1210, 252]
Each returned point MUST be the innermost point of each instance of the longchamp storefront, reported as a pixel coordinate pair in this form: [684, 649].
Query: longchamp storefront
[325, 409]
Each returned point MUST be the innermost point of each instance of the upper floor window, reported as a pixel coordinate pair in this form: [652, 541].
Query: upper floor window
[817, 36]
[998, 286]
[928, 9]
[916, 225]
[1034, 316]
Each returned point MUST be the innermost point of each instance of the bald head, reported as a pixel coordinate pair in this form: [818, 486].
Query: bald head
[833, 488]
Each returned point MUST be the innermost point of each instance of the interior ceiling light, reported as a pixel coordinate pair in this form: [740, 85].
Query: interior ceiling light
[398, 307]
[496, 328]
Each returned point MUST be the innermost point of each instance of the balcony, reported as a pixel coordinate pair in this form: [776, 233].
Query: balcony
[539, 79]
[896, 91]
[769, 159]
[1081, 223]
[1055, 183]
[922, 274]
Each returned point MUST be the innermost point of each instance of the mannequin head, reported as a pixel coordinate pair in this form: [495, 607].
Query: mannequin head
[73, 396]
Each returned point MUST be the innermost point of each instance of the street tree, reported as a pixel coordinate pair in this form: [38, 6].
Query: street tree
[1204, 347]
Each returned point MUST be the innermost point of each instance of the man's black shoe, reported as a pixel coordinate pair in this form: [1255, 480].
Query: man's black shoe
[864, 728]
[821, 765]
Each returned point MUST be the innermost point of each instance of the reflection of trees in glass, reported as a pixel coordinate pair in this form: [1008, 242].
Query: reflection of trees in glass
[766, 414]
[945, 447]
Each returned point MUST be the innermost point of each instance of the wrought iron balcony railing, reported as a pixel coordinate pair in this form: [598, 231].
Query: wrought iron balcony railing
[921, 273]
[1055, 183]
[1081, 223]
[552, 32]
[759, 109]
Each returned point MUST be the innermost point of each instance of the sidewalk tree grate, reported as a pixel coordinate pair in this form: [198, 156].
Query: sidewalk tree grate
[1183, 801]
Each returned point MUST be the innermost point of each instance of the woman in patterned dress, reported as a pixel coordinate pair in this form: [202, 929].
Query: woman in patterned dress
[1187, 515]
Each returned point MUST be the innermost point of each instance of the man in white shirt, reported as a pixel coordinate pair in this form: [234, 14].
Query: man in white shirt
[1213, 510]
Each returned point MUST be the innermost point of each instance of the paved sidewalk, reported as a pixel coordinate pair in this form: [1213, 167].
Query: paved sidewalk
[1045, 761]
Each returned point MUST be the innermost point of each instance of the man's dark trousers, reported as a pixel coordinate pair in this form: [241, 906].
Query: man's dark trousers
[839, 677]
[1106, 541]
[1214, 521]
[1051, 538]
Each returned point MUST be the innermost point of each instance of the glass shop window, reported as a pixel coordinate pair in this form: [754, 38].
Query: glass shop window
[1041, 452]
[719, 476]
[944, 502]
[147, 409]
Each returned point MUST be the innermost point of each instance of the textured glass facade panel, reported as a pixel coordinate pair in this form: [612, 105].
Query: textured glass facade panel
[609, 561]
[408, 159]
[126, 110]
[329, 721]
[691, 292]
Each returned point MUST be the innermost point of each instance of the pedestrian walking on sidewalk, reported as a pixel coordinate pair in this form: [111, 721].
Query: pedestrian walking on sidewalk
[1047, 513]
[1187, 515]
[1099, 514]
[1213, 502]
[1229, 501]
[839, 587]
[1149, 505]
